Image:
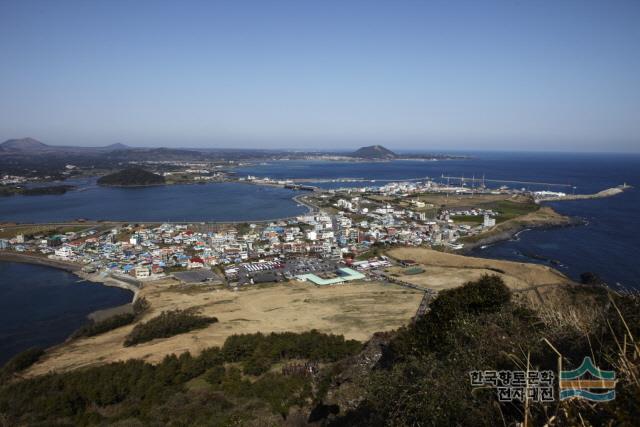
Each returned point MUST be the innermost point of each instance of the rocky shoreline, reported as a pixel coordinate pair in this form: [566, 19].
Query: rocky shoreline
[514, 231]
[507, 230]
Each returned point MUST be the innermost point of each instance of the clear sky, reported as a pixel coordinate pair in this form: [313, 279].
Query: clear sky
[465, 75]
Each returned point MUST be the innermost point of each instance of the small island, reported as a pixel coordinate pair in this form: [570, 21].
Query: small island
[381, 153]
[374, 152]
[35, 191]
[131, 177]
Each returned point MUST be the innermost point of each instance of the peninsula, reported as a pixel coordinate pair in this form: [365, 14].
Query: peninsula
[131, 177]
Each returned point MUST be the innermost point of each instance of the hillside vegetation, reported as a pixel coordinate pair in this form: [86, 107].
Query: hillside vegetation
[215, 388]
[417, 375]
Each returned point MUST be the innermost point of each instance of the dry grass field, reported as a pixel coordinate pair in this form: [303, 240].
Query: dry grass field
[451, 200]
[10, 230]
[445, 270]
[539, 286]
[353, 310]
[463, 201]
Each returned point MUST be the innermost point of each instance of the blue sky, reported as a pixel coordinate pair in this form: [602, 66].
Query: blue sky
[464, 75]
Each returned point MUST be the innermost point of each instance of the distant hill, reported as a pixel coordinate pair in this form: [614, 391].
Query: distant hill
[154, 154]
[117, 146]
[131, 177]
[374, 152]
[24, 145]
[33, 146]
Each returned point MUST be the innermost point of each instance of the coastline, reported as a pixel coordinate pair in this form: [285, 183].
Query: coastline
[73, 268]
[301, 199]
[70, 267]
[514, 231]
[507, 230]
[516, 226]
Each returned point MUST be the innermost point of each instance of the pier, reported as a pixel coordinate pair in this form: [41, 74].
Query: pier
[482, 180]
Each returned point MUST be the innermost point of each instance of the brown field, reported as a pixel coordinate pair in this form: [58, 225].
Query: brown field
[444, 270]
[467, 200]
[552, 295]
[353, 310]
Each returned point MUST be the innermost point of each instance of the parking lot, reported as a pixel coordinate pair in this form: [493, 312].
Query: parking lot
[286, 268]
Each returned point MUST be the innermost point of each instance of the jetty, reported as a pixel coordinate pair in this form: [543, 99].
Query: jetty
[609, 192]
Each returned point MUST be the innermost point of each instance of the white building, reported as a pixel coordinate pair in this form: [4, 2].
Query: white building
[542, 194]
[64, 252]
[141, 272]
[488, 221]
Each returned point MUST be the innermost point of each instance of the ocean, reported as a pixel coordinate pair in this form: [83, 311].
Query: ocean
[608, 243]
[186, 202]
[42, 306]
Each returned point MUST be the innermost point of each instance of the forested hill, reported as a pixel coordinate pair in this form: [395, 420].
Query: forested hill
[374, 152]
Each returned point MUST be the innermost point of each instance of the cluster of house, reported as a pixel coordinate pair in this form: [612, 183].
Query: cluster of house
[145, 252]
[252, 253]
[417, 224]
[199, 174]
[410, 222]
[12, 180]
[471, 212]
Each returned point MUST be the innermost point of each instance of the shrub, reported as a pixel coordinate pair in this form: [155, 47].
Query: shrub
[140, 306]
[256, 365]
[96, 328]
[114, 322]
[167, 324]
[589, 278]
[259, 351]
[21, 361]
[438, 329]
[215, 375]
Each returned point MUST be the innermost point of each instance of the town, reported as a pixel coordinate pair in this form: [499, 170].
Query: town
[337, 241]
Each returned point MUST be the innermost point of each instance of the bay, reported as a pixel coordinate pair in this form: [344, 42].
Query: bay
[42, 306]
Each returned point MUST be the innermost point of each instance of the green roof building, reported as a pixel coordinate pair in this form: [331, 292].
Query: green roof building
[343, 275]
